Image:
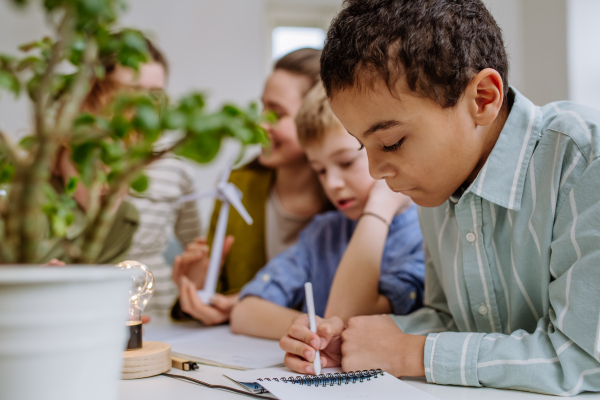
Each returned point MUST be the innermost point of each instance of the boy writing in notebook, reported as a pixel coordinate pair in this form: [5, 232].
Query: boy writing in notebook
[374, 237]
[510, 204]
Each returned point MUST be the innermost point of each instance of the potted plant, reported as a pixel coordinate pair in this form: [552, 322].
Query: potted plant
[62, 329]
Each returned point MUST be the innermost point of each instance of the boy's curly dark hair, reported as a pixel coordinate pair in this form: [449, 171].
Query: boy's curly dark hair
[437, 45]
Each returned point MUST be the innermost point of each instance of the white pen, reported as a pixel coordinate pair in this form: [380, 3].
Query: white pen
[310, 305]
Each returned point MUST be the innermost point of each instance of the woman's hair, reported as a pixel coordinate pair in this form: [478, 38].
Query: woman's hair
[305, 62]
[104, 89]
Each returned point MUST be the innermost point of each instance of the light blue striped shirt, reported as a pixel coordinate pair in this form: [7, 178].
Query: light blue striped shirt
[512, 287]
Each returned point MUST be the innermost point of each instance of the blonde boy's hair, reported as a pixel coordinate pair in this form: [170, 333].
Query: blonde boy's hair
[315, 117]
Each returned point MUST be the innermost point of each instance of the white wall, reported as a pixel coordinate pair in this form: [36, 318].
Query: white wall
[535, 38]
[584, 51]
[17, 27]
[508, 15]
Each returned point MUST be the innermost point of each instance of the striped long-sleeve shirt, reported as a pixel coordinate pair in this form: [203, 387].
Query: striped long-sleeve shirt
[160, 214]
[512, 288]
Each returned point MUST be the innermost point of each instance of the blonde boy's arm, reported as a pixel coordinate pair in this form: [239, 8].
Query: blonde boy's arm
[258, 317]
[355, 288]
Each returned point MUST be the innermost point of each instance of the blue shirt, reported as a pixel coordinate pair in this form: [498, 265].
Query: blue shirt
[513, 267]
[319, 250]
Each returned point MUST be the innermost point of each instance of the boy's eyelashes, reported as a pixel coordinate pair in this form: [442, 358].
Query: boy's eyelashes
[344, 165]
[393, 147]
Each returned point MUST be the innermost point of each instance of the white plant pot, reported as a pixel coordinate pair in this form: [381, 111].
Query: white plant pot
[62, 332]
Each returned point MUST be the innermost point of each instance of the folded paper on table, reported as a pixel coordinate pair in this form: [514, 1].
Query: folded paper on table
[383, 387]
[219, 347]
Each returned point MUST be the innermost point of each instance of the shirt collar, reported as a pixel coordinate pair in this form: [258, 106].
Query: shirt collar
[502, 177]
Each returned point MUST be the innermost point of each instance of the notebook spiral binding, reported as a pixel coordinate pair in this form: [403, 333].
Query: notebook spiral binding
[329, 379]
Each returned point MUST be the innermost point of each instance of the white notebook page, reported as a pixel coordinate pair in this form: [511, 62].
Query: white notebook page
[218, 346]
[382, 388]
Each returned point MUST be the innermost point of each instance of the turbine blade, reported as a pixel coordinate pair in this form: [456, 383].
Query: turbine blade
[198, 195]
[233, 196]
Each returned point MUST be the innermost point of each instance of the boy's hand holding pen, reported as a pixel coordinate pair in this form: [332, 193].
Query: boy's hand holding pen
[302, 345]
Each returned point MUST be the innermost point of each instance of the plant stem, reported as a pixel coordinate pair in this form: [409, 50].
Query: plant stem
[49, 143]
[42, 98]
[72, 106]
[32, 198]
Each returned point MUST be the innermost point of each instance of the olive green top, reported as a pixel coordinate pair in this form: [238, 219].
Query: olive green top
[248, 254]
[117, 242]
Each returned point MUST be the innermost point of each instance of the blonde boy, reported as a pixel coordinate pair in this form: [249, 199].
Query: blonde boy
[373, 237]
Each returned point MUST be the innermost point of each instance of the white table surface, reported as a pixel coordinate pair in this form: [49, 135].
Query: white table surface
[163, 388]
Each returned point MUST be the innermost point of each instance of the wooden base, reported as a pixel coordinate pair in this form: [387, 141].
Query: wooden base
[152, 359]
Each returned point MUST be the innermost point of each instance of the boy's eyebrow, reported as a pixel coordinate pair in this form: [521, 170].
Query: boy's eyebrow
[381, 126]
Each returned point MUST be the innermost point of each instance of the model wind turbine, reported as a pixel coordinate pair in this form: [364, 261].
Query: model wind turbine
[229, 194]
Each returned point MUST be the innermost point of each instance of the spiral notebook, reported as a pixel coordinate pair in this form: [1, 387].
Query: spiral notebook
[330, 385]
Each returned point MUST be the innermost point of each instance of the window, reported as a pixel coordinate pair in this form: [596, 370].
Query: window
[289, 38]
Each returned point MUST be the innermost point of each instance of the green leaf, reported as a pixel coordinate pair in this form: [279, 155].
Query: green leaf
[59, 225]
[201, 123]
[120, 126]
[100, 72]
[70, 218]
[77, 48]
[9, 81]
[83, 157]
[71, 185]
[201, 148]
[83, 152]
[28, 142]
[135, 41]
[231, 110]
[174, 119]
[193, 102]
[84, 119]
[140, 184]
[34, 63]
[147, 121]
[254, 111]
[111, 152]
[33, 85]
[270, 117]
[7, 173]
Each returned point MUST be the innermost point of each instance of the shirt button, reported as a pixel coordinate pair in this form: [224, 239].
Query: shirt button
[471, 237]
[266, 277]
[412, 295]
[483, 309]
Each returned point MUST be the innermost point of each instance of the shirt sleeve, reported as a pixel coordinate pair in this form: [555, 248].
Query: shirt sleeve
[435, 316]
[402, 269]
[282, 280]
[187, 226]
[561, 356]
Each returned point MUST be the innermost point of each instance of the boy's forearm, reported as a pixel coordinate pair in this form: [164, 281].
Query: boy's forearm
[355, 288]
[258, 317]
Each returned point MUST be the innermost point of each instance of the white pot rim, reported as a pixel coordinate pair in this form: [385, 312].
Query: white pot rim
[15, 274]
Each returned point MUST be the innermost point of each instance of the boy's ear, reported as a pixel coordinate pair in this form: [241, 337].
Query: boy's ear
[485, 93]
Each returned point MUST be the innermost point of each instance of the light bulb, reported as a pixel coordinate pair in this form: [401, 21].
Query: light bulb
[140, 293]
